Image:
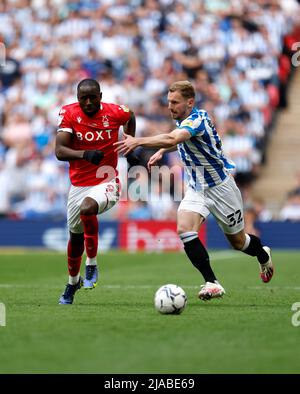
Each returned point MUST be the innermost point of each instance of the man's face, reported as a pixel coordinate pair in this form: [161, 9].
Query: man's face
[89, 99]
[179, 106]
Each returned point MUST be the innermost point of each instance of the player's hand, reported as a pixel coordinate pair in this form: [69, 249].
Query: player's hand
[93, 156]
[154, 159]
[127, 145]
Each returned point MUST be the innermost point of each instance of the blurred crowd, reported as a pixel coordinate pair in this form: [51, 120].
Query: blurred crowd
[236, 53]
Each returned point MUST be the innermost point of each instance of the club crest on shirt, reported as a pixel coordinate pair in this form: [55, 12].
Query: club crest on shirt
[105, 121]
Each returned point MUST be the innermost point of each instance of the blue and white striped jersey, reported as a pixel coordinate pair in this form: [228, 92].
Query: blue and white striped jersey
[204, 162]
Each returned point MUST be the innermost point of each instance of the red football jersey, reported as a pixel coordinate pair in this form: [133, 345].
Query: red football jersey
[89, 133]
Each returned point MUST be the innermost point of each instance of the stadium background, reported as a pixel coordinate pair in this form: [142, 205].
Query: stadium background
[239, 56]
[237, 53]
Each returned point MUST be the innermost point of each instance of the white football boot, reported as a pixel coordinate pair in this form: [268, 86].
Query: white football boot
[267, 269]
[211, 290]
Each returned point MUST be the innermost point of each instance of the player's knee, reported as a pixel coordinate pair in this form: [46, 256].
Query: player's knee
[76, 237]
[182, 228]
[88, 207]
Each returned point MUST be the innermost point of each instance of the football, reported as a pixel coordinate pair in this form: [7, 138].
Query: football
[170, 299]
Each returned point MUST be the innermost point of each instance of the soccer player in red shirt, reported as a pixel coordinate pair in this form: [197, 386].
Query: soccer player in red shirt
[86, 134]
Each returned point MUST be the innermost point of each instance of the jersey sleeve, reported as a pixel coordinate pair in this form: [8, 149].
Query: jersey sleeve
[123, 114]
[64, 123]
[195, 126]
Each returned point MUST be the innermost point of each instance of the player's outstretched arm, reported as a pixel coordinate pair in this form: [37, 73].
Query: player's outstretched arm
[63, 151]
[158, 141]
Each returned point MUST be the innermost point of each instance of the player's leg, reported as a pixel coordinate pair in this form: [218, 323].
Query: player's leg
[75, 244]
[190, 216]
[75, 251]
[88, 215]
[99, 199]
[251, 245]
[188, 225]
[227, 207]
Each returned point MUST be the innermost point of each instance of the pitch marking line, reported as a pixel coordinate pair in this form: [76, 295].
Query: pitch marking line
[273, 287]
[19, 286]
[141, 287]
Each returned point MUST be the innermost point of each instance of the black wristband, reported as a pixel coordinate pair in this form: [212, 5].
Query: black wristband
[93, 156]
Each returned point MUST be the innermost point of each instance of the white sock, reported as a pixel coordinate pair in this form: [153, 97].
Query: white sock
[188, 236]
[247, 242]
[73, 280]
[91, 261]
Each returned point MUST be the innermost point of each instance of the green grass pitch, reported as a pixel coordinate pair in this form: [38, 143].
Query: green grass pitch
[115, 329]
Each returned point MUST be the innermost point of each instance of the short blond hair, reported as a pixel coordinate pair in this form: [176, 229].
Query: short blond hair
[184, 87]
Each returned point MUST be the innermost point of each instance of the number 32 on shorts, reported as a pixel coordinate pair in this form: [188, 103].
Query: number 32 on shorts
[235, 218]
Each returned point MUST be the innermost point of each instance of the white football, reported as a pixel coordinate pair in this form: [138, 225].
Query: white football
[170, 299]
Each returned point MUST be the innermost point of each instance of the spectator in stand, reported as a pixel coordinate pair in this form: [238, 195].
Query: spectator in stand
[291, 209]
[255, 210]
[296, 189]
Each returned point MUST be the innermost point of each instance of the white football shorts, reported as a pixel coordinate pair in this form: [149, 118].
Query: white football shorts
[223, 201]
[105, 194]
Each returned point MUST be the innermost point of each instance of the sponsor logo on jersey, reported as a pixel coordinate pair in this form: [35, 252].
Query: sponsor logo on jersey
[109, 188]
[94, 135]
[187, 123]
[79, 119]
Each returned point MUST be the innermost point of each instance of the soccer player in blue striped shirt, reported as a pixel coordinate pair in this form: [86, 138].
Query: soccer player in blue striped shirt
[210, 186]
